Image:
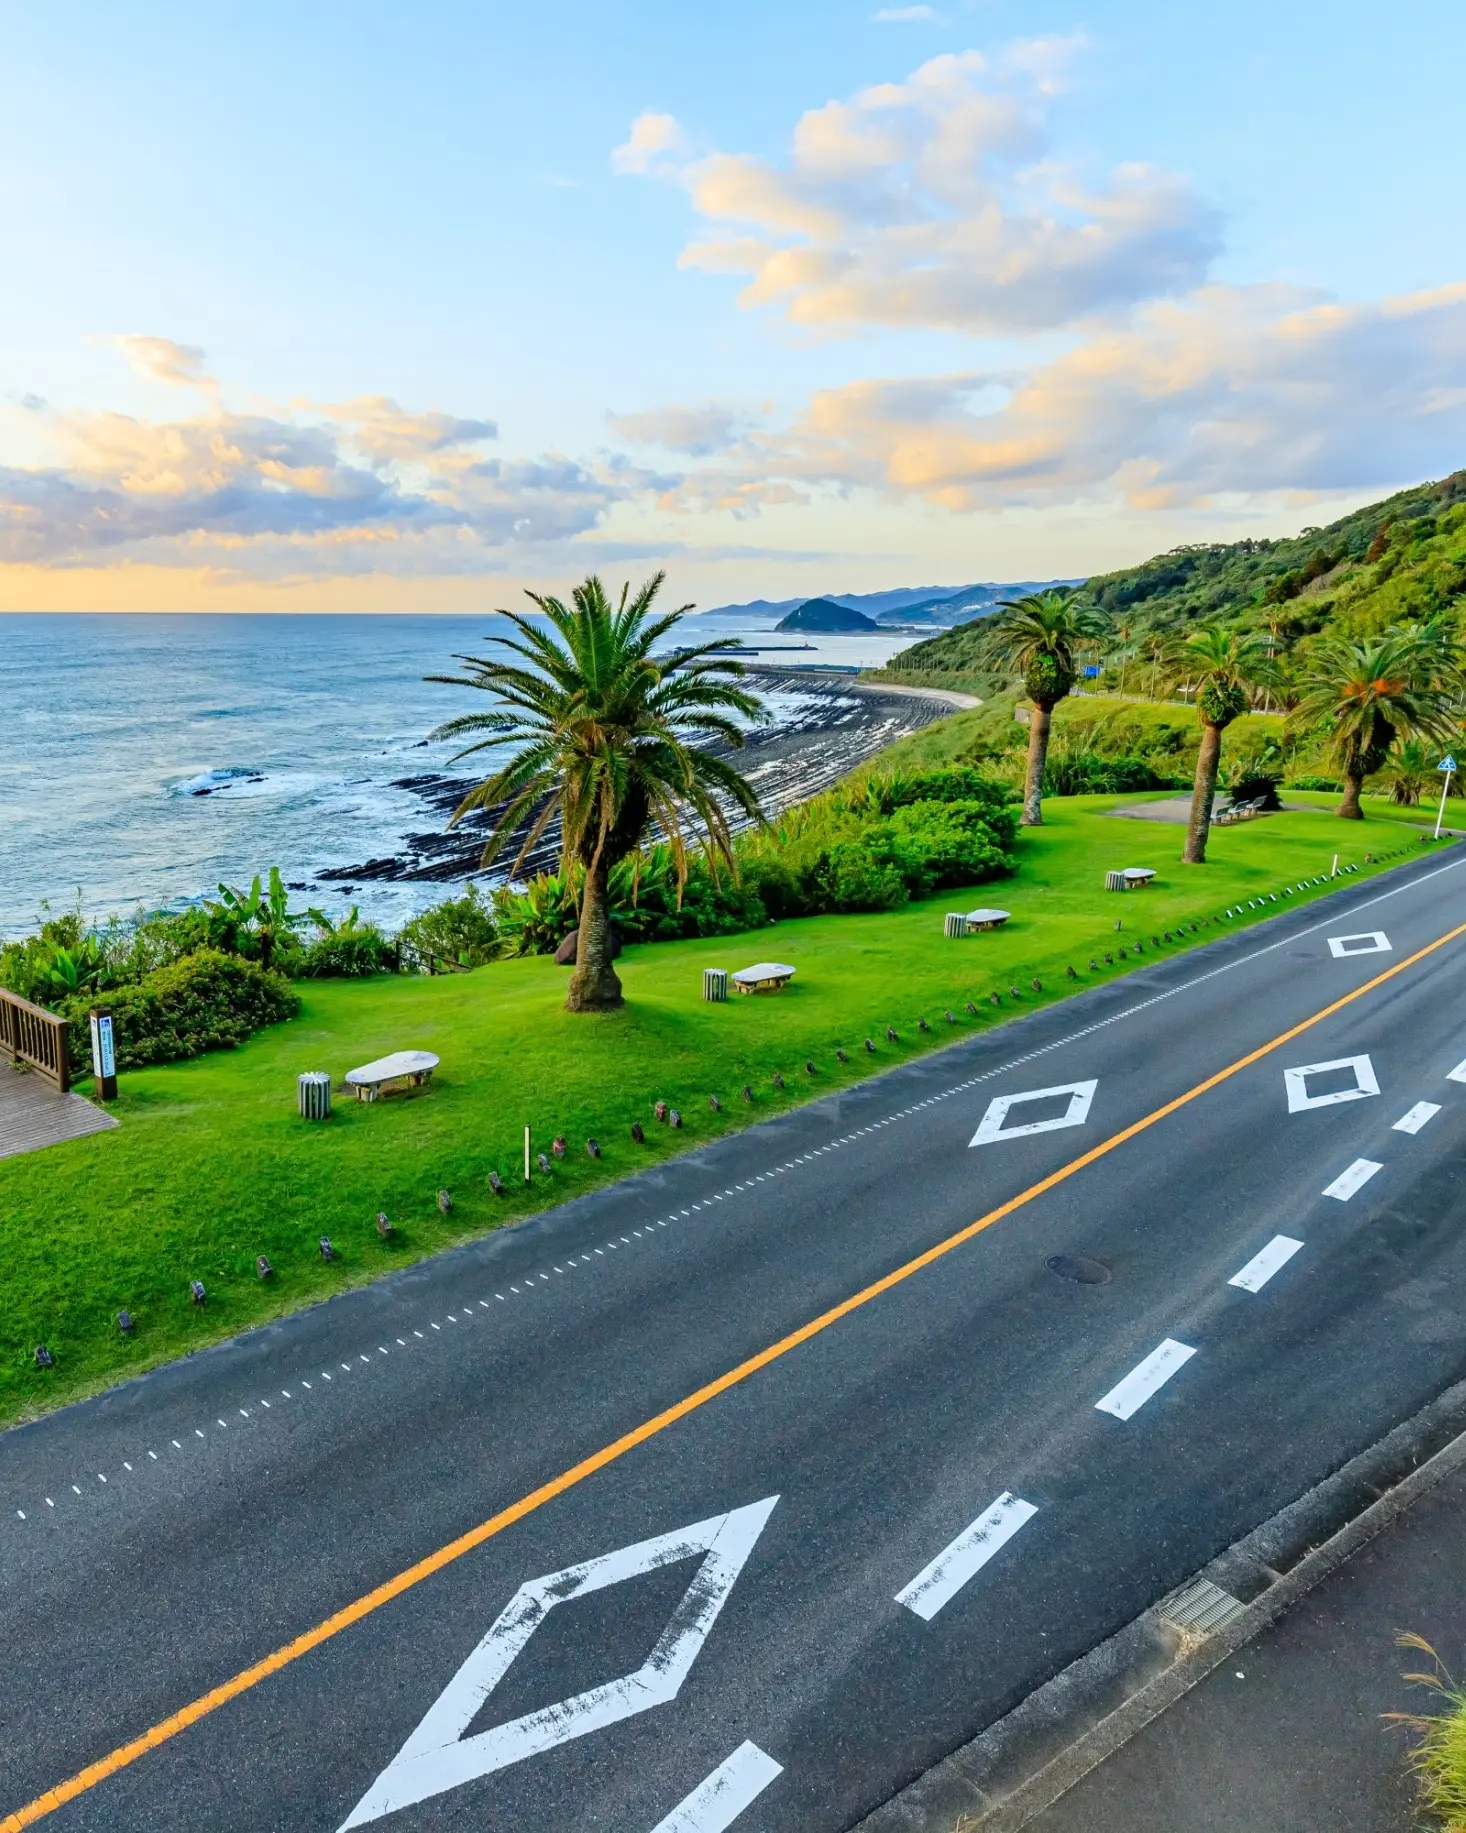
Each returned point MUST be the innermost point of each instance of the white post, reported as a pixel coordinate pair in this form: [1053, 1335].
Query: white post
[1335, 872]
[1448, 765]
[526, 1155]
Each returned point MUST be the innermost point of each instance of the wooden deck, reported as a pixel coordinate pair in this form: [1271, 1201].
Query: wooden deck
[33, 1114]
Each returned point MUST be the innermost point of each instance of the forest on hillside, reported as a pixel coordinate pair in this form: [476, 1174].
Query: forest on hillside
[1399, 561]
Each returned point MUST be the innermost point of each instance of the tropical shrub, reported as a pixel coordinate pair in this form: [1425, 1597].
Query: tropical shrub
[348, 952]
[205, 1001]
[459, 932]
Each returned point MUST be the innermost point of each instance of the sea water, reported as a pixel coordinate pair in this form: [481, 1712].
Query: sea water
[146, 759]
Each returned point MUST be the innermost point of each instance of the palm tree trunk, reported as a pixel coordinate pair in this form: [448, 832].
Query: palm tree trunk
[1349, 809]
[1203, 794]
[1038, 752]
[594, 986]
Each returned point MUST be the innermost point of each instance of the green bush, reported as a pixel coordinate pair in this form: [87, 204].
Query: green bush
[1089, 774]
[205, 1001]
[459, 932]
[346, 954]
[1328, 784]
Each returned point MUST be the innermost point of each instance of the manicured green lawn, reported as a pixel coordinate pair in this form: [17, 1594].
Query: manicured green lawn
[211, 1165]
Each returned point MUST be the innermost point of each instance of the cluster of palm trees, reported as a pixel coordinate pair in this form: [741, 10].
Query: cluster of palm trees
[1402, 688]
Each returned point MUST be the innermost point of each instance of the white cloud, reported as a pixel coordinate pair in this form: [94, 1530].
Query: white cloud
[696, 431]
[655, 147]
[906, 15]
[937, 202]
[1254, 392]
[364, 486]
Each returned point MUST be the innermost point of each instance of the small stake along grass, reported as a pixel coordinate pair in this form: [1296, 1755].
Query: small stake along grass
[212, 1166]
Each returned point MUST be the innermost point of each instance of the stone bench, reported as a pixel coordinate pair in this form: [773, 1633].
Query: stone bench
[763, 977]
[409, 1068]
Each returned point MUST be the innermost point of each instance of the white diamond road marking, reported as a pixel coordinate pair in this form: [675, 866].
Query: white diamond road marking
[1366, 1083]
[438, 1757]
[1080, 1094]
[1347, 1182]
[1374, 942]
[939, 1583]
[1417, 1117]
[1155, 1371]
[1458, 1074]
[1260, 1269]
[718, 1801]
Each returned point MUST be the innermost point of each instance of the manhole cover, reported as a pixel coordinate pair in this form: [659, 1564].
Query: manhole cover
[1083, 1272]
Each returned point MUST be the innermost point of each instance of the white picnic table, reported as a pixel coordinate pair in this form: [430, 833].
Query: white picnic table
[1137, 876]
[985, 919]
[412, 1067]
[763, 977]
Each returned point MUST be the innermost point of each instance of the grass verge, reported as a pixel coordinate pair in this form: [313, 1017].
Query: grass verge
[211, 1166]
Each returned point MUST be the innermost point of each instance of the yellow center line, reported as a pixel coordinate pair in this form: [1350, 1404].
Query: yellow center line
[333, 1625]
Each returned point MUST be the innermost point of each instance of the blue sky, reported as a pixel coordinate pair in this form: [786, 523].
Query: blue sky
[383, 308]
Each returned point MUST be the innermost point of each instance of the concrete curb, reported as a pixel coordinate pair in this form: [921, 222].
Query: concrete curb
[1011, 1772]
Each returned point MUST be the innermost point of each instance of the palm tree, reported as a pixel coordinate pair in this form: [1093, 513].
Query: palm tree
[603, 730]
[1040, 637]
[1366, 695]
[1223, 663]
[1407, 770]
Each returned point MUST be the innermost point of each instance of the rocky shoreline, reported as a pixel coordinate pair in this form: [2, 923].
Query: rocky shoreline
[838, 723]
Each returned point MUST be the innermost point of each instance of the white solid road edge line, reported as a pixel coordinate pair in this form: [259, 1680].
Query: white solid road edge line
[717, 1801]
[1347, 1182]
[1129, 1395]
[1417, 1117]
[1260, 1269]
[938, 1583]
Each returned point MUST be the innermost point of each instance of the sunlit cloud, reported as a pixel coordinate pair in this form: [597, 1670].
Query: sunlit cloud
[1235, 392]
[360, 485]
[655, 147]
[159, 359]
[937, 202]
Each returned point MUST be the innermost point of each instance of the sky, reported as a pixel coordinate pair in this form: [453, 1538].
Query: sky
[369, 308]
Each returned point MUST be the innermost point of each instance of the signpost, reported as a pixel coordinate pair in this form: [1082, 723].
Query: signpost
[104, 1054]
[1447, 767]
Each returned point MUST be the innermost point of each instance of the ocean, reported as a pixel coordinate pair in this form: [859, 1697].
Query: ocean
[145, 759]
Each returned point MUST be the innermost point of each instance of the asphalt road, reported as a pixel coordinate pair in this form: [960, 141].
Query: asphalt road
[746, 1612]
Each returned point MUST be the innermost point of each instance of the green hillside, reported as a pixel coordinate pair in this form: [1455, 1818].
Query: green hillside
[1401, 560]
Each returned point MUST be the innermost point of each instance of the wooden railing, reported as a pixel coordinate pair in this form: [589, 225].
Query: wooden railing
[33, 1035]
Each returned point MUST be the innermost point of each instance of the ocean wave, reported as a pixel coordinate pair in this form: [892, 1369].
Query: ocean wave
[213, 782]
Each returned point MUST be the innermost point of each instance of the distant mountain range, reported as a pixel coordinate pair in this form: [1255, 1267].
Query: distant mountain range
[939, 607]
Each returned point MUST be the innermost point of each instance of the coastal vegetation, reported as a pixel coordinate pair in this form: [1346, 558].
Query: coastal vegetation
[115, 1222]
[609, 739]
[1377, 596]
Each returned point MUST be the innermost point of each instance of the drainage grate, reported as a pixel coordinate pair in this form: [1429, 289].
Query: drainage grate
[1083, 1272]
[1201, 1608]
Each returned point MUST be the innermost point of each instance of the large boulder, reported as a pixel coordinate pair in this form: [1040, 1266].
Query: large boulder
[565, 953]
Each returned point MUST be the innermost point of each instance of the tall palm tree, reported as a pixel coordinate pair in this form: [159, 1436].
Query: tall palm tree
[604, 731]
[1365, 695]
[1040, 638]
[1223, 664]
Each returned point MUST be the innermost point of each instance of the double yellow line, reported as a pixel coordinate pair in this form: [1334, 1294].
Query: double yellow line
[333, 1625]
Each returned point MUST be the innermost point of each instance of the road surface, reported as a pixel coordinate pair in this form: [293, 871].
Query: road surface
[739, 1494]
